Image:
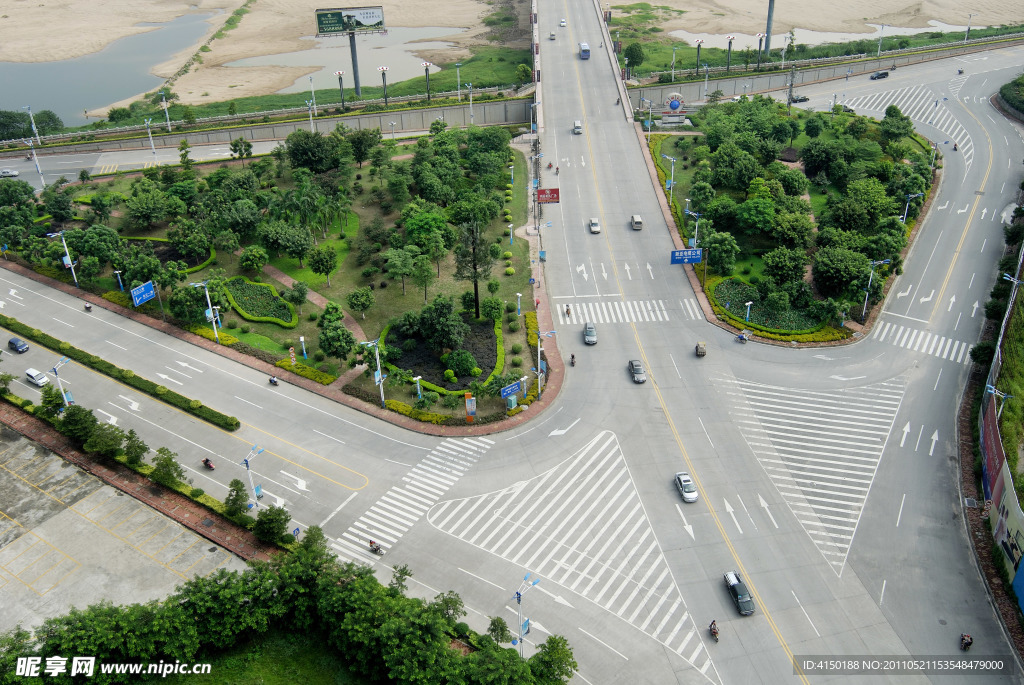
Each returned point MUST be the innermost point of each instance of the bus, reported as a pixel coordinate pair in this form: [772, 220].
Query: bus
[584, 51]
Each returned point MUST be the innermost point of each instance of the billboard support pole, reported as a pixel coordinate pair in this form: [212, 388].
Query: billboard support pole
[355, 61]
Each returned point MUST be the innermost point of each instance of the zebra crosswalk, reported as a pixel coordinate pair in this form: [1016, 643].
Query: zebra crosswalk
[923, 341]
[626, 311]
[821, 449]
[582, 525]
[402, 506]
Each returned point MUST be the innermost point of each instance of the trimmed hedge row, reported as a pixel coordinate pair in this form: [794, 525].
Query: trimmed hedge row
[126, 376]
[253, 317]
[822, 333]
[306, 371]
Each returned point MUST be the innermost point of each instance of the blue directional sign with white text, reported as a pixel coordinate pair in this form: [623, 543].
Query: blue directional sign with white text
[143, 293]
[511, 389]
[686, 256]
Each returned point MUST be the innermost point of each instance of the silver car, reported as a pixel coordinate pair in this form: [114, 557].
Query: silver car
[636, 370]
[8, 173]
[590, 333]
[685, 486]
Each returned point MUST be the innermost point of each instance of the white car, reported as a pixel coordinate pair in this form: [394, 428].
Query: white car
[686, 487]
[8, 173]
[562, 23]
[595, 225]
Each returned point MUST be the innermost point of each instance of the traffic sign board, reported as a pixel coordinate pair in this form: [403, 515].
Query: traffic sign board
[143, 293]
[691, 256]
[511, 389]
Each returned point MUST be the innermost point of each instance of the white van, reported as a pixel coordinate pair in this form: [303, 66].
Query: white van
[636, 222]
[36, 377]
[577, 127]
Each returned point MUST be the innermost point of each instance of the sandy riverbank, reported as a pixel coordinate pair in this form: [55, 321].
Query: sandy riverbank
[65, 29]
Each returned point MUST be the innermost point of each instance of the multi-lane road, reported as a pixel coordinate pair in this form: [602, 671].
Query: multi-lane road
[827, 477]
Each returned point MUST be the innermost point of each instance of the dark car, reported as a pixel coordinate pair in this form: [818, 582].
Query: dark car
[739, 593]
[848, 110]
[879, 74]
[800, 98]
[636, 369]
[590, 333]
[18, 345]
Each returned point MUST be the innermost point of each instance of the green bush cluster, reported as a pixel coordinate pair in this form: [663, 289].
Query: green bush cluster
[125, 375]
[305, 371]
[260, 302]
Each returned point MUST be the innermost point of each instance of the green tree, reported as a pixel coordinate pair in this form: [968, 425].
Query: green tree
[839, 270]
[437, 126]
[134, 448]
[422, 274]
[363, 141]
[332, 312]
[271, 523]
[166, 469]
[190, 239]
[323, 260]
[492, 308]
[296, 241]
[51, 402]
[58, 205]
[183, 155]
[441, 326]
[146, 206]
[784, 265]
[226, 242]
[188, 115]
[895, 124]
[553, 662]
[336, 340]
[77, 423]
[399, 574]
[253, 258]
[792, 229]
[756, 215]
[398, 264]
[297, 294]
[498, 630]
[309, 150]
[360, 300]
[814, 126]
[635, 53]
[473, 260]
[237, 499]
[241, 149]
[701, 194]
[106, 440]
[116, 115]
[524, 74]
[722, 250]
[188, 304]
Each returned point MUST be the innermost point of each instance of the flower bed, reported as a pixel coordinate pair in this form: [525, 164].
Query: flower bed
[260, 302]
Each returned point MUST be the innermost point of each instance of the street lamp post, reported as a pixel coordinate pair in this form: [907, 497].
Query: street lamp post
[673, 63]
[426, 70]
[867, 291]
[149, 133]
[419, 392]
[626, 67]
[312, 125]
[519, 304]
[521, 631]
[470, 86]
[341, 87]
[748, 309]
[672, 181]
[35, 159]
[32, 119]
[313, 94]
[698, 41]
[760, 43]
[67, 255]
[392, 130]
[696, 225]
[966, 33]
[705, 81]
[540, 375]
[880, 32]
[988, 388]
[458, 79]
[728, 57]
[384, 77]
[56, 367]
[907, 209]
[833, 105]
[120, 284]
[213, 314]
[379, 374]
[167, 116]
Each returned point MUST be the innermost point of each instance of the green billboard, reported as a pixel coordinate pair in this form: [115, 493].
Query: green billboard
[349, 19]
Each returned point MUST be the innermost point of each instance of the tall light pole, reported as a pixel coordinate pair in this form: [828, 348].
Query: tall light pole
[64, 395]
[522, 630]
[384, 77]
[378, 376]
[760, 43]
[699, 42]
[696, 226]
[313, 94]
[35, 158]
[512, 172]
[341, 87]
[748, 309]
[458, 79]
[834, 105]
[672, 182]
[149, 133]
[67, 255]
[988, 388]
[867, 291]
[705, 81]
[32, 119]
[966, 33]
[426, 70]
[392, 130]
[167, 116]
[212, 314]
[309, 106]
[120, 284]
[470, 86]
[880, 32]
[785, 44]
[907, 208]
[419, 391]
[673, 63]
[728, 58]
[519, 304]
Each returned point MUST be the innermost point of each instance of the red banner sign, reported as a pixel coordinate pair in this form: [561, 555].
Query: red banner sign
[547, 195]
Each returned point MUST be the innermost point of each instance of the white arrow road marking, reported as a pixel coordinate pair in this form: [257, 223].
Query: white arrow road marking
[14, 293]
[582, 269]
[112, 420]
[728, 508]
[168, 378]
[628, 274]
[961, 211]
[563, 431]
[823, 357]
[929, 298]
[604, 272]
[952, 301]
[984, 211]
[686, 526]
[974, 310]
[650, 270]
[844, 378]
[764, 505]
[132, 404]
[945, 205]
[2, 304]
[905, 292]
[299, 482]
[558, 598]
[906, 431]
[935, 439]
[188, 366]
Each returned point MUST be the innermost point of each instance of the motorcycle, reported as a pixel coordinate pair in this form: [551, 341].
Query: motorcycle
[959, 71]
[556, 171]
[88, 306]
[274, 381]
[966, 641]
[375, 549]
[208, 464]
[713, 629]
[618, 101]
[572, 360]
[550, 165]
[955, 148]
[743, 338]
[28, 157]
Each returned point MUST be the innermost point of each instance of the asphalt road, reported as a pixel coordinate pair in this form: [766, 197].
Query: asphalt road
[826, 477]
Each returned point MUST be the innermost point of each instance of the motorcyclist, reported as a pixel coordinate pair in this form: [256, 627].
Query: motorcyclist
[714, 628]
[572, 359]
[207, 463]
[618, 101]
[556, 171]
[955, 148]
[966, 641]
[374, 547]
[568, 310]
[273, 380]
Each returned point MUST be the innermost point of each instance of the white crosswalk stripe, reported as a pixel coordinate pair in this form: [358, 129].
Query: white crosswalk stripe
[821, 450]
[582, 525]
[402, 506]
[627, 311]
[923, 106]
[922, 341]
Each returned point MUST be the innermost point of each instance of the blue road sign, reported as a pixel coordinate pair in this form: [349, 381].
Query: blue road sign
[686, 256]
[511, 389]
[143, 293]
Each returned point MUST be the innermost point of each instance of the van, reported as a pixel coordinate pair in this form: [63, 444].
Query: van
[577, 127]
[636, 222]
[36, 377]
[879, 74]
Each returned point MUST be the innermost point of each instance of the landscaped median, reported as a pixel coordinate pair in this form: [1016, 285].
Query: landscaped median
[126, 376]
